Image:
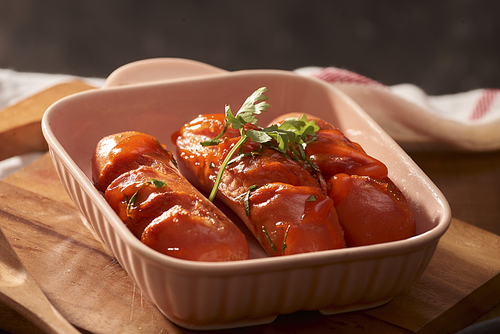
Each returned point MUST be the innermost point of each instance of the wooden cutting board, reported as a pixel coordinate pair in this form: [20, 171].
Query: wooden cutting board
[86, 284]
[20, 123]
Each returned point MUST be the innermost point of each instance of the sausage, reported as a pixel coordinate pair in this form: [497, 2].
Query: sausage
[370, 207]
[122, 152]
[283, 204]
[159, 206]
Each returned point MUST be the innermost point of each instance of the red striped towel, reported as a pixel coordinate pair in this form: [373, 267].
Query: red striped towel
[467, 121]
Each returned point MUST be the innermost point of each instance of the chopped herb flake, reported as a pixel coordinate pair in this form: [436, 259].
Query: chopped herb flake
[216, 140]
[269, 238]
[284, 246]
[246, 201]
[158, 183]
[311, 198]
[131, 201]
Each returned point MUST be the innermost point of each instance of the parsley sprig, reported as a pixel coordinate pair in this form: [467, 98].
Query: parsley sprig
[289, 138]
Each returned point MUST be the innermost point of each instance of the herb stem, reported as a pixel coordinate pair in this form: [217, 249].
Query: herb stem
[240, 142]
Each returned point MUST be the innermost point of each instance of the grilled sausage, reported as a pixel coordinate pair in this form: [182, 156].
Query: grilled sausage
[159, 206]
[370, 207]
[282, 203]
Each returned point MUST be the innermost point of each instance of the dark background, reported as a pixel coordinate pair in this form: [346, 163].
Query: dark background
[443, 46]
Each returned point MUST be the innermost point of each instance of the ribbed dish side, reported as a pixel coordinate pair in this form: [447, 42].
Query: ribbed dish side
[204, 300]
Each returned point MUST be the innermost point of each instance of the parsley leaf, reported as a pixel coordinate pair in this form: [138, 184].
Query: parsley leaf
[289, 138]
[253, 105]
[292, 135]
[158, 183]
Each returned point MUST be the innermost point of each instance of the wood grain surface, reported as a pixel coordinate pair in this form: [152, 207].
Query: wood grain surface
[86, 284]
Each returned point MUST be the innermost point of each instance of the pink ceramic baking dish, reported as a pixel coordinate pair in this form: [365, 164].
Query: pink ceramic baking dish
[157, 97]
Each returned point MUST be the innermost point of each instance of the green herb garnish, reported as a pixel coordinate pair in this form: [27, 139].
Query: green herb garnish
[246, 201]
[131, 201]
[284, 246]
[157, 183]
[269, 238]
[290, 136]
[253, 105]
[311, 198]
[216, 140]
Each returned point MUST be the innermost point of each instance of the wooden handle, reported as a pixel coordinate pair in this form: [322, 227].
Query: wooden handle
[19, 291]
[20, 123]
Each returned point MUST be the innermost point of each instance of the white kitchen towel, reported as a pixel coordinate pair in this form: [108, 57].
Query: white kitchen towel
[466, 121]
[15, 86]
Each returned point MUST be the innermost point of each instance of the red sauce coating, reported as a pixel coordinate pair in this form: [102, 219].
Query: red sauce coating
[333, 153]
[370, 208]
[289, 201]
[158, 205]
[122, 152]
[286, 210]
[371, 211]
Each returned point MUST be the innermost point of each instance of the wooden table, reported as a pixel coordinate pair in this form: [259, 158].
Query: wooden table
[85, 283]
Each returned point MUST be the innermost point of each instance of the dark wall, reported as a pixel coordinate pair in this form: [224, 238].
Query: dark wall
[444, 46]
